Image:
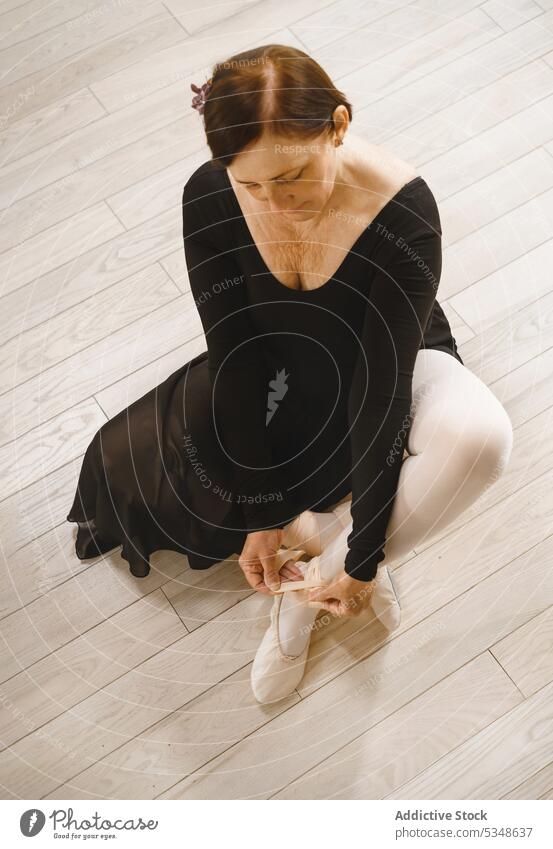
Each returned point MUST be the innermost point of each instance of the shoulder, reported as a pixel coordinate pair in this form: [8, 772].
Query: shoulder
[391, 187]
[378, 170]
[205, 203]
[412, 200]
[405, 196]
[204, 182]
[416, 211]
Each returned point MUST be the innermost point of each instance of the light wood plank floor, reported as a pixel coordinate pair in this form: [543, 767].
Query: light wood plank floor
[115, 687]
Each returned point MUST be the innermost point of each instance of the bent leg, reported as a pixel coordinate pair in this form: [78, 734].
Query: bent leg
[459, 443]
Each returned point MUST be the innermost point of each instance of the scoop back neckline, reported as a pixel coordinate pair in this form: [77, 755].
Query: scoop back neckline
[351, 252]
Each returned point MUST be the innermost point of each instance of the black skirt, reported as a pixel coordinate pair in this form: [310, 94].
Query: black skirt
[142, 486]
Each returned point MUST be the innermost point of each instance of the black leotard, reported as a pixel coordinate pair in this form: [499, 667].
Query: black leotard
[312, 388]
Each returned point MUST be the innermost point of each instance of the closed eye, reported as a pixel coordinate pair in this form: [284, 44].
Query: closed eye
[291, 180]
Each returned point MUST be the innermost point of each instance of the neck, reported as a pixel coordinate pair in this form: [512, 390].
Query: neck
[342, 182]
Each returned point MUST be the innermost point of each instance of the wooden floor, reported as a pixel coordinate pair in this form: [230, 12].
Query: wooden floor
[116, 687]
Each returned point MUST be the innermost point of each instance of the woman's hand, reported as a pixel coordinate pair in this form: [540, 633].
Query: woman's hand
[345, 596]
[258, 562]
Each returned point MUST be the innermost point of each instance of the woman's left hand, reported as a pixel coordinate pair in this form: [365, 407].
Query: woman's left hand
[345, 596]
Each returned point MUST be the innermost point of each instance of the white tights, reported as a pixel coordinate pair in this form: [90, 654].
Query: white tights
[459, 443]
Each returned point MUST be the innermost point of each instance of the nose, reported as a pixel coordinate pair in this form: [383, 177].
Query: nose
[280, 199]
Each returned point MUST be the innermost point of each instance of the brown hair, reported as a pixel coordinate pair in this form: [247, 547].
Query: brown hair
[275, 88]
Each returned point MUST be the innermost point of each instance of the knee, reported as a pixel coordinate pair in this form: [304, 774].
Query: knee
[486, 447]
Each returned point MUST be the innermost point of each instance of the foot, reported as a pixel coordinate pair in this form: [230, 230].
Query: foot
[384, 597]
[274, 673]
[279, 663]
[385, 600]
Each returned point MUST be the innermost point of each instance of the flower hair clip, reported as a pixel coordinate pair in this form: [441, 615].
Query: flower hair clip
[202, 93]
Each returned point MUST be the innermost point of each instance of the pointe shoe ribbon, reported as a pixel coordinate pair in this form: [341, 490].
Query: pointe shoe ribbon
[312, 575]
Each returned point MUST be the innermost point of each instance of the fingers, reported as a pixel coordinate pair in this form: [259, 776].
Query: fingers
[255, 580]
[322, 593]
[291, 573]
[340, 608]
[288, 575]
[249, 565]
[260, 564]
[271, 575]
[293, 566]
[333, 605]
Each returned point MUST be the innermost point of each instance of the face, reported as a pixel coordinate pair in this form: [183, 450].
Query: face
[291, 177]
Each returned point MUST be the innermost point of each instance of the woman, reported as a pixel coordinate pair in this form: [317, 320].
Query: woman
[331, 425]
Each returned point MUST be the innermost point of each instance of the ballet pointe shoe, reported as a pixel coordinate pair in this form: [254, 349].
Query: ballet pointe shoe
[275, 674]
[384, 598]
[385, 601]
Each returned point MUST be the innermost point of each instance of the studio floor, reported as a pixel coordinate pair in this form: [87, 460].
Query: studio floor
[117, 687]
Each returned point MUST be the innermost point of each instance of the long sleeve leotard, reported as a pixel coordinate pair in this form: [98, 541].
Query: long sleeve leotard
[344, 354]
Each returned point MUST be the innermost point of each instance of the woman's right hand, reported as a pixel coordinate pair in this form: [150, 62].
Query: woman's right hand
[259, 564]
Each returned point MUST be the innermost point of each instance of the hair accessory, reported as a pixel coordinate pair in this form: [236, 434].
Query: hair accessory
[202, 93]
